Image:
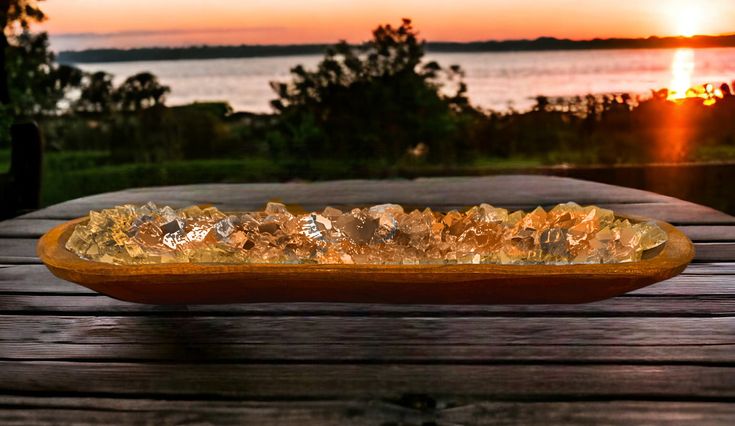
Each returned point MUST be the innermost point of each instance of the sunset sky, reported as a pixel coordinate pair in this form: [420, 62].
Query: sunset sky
[129, 23]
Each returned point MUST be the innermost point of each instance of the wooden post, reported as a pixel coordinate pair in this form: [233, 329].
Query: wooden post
[4, 83]
[23, 192]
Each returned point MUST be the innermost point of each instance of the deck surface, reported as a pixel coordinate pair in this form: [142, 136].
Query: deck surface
[664, 354]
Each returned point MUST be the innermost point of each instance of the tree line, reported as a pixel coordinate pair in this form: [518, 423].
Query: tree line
[251, 51]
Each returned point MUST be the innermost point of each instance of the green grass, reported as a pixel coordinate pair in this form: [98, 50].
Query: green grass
[505, 163]
[75, 174]
[69, 175]
[715, 153]
[4, 160]
[64, 184]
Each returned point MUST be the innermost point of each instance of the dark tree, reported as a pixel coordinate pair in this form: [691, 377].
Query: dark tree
[97, 93]
[37, 82]
[14, 12]
[375, 101]
[140, 91]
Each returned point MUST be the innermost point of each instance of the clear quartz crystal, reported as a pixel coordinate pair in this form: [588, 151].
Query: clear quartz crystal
[381, 234]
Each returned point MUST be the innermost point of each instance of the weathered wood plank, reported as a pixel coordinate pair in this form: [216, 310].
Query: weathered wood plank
[18, 249]
[590, 413]
[630, 305]
[675, 213]
[511, 191]
[26, 228]
[293, 381]
[384, 340]
[515, 190]
[691, 285]
[366, 353]
[698, 279]
[714, 252]
[710, 268]
[20, 260]
[330, 330]
[37, 410]
[91, 411]
[711, 233]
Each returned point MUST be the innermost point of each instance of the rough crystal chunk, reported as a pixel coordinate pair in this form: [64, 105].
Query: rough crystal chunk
[381, 234]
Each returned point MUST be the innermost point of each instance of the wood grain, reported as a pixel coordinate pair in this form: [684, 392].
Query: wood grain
[357, 354]
[106, 411]
[369, 381]
[91, 411]
[26, 228]
[627, 306]
[303, 330]
[504, 191]
[438, 340]
[709, 233]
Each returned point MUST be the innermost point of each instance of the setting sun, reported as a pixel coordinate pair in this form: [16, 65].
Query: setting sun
[687, 19]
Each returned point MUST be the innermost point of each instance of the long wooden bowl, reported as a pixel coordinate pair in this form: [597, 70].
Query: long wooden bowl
[186, 283]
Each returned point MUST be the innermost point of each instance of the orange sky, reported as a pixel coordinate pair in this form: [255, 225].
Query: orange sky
[128, 23]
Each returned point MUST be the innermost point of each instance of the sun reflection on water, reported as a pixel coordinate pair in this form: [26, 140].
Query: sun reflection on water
[681, 88]
[682, 68]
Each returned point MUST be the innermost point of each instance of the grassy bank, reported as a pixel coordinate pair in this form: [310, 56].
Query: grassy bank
[74, 174]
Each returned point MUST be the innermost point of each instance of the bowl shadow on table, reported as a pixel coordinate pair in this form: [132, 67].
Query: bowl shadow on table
[296, 334]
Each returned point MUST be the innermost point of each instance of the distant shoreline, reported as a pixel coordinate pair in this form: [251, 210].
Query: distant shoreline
[254, 51]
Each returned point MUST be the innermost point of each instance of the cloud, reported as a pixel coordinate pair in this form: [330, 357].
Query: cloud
[157, 38]
[142, 33]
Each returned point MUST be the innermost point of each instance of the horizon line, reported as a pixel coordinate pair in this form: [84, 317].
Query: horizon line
[329, 43]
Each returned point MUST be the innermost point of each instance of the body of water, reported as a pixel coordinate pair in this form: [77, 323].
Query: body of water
[496, 80]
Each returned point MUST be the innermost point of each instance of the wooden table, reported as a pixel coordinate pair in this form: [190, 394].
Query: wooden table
[661, 355]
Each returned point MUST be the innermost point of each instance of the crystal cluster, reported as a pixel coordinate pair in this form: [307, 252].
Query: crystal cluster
[382, 234]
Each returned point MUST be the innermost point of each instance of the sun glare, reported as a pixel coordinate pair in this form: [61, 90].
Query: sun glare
[686, 19]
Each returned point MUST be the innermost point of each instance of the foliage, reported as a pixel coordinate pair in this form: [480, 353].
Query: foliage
[139, 92]
[37, 82]
[375, 101]
[6, 120]
[151, 135]
[14, 14]
[22, 13]
[96, 95]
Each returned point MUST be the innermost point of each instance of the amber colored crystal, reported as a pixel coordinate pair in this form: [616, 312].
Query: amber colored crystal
[381, 234]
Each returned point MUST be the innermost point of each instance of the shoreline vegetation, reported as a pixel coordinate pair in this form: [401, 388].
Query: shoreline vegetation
[254, 51]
